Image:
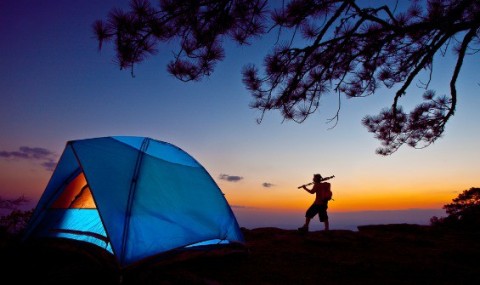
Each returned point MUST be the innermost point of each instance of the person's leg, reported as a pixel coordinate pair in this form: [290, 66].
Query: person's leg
[327, 225]
[307, 222]
[308, 217]
[323, 216]
[305, 226]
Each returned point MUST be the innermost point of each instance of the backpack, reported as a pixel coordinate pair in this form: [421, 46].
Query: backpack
[328, 191]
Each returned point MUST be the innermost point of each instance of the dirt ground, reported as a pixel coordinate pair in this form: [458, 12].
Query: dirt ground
[382, 254]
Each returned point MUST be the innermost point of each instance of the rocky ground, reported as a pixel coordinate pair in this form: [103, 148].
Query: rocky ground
[377, 254]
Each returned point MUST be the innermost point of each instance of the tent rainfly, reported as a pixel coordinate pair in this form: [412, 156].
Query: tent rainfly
[135, 197]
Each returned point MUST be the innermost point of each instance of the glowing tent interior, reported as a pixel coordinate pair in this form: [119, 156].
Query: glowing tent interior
[135, 197]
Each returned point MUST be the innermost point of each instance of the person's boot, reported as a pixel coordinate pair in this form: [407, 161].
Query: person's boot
[303, 229]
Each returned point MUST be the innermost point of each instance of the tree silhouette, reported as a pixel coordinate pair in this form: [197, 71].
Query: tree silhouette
[466, 207]
[345, 49]
[464, 211]
[12, 204]
[16, 220]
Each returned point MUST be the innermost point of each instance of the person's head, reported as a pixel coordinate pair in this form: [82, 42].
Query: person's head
[317, 178]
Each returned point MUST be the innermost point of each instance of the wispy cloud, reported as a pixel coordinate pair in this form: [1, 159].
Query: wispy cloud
[238, 206]
[267, 184]
[230, 178]
[243, 207]
[46, 157]
[49, 165]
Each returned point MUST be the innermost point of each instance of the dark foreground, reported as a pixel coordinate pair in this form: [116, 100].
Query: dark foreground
[389, 254]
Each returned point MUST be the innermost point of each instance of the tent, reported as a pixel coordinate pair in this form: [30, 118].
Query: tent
[135, 197]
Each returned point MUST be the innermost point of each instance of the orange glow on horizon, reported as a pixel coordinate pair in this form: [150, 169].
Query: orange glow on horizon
[346, 202]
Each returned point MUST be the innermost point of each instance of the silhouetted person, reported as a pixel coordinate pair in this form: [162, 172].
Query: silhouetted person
[320, 205]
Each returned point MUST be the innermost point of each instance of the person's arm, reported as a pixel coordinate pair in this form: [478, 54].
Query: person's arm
[308, 190]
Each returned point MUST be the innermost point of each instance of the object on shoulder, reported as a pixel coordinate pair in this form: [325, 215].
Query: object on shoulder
[323, 179]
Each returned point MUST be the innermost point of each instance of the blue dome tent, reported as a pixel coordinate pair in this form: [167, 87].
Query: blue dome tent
[135, 197]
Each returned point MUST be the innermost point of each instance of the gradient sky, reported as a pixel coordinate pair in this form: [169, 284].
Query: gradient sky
[56, 86]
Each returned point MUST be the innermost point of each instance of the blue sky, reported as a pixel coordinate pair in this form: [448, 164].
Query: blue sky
[56, 86]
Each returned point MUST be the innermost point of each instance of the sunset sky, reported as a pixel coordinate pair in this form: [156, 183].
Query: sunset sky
[56, 86]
